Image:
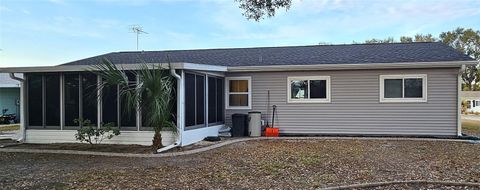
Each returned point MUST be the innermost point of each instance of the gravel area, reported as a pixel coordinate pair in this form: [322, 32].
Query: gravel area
[267, 164]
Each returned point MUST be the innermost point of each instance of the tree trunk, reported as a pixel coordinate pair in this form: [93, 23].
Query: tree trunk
[157, 141]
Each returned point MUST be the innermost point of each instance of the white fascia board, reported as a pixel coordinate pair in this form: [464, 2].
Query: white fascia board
[67, 68]
[351, 66]
[204, 67]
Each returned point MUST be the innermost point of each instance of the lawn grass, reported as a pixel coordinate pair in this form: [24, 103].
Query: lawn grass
[471, 127]
[13, 127]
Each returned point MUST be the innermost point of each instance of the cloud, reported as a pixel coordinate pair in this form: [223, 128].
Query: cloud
[60, 2]
[5, 9]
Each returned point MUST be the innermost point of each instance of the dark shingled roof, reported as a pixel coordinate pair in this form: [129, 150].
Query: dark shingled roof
[293, 55]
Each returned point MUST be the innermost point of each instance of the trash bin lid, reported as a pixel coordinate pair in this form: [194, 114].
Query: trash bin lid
[254, 112]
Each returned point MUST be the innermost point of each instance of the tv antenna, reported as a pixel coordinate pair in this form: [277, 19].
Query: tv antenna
[137, 30]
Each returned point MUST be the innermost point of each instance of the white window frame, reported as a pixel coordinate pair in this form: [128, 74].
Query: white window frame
[403, 77]
[228, 93]
[308, 100]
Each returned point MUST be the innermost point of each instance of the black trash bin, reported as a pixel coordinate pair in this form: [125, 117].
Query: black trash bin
[239, 125]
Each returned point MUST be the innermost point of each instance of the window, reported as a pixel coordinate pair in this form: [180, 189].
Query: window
[239, 92]
[308, 89]
[215, 100]
[35, 99]
[403, 88]
[71, 98]
[194, 100]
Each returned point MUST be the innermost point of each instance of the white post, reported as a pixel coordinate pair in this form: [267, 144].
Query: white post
[23, 112]
[181, 106]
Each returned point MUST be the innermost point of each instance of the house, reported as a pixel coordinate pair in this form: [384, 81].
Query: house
[472, 99]
[9, 96]
[398, 89]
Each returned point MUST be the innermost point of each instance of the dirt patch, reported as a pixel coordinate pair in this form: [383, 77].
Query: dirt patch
[117, 148]
[87, 147]
[267, 164]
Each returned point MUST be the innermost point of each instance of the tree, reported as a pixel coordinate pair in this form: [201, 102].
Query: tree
[425, 38]
[468, 42]
[380, 41]
[258, 9]
[153, 94]
[406, 39]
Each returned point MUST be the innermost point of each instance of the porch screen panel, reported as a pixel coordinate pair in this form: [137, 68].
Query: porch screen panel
[128, 109]
[189, 99]
[220, 100]
[109, 105]
[52, 100]
[89, 97]
[200, 99]
[194, 100]
[212, 100]
[71, 95]
[35, 110]
[215, 99]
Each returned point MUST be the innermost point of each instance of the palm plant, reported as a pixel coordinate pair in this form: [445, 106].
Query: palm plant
[153, 94]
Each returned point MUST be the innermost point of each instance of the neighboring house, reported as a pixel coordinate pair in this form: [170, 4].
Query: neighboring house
[472, 99]
[9, 95]
[399, 89]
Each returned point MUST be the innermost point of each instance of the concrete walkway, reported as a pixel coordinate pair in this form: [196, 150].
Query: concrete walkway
[207, 148]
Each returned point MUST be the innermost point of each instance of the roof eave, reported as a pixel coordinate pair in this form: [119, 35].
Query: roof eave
[351, 66]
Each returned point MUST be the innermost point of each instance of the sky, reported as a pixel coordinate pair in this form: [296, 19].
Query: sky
[52, 32]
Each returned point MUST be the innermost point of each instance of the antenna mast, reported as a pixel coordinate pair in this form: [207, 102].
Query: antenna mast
[137, 30]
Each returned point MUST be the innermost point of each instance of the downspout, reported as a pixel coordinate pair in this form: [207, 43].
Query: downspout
[459, 101]
[178, 141]
[22, 106]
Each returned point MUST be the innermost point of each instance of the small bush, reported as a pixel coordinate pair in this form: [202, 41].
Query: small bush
[477, 113]
[95, 135]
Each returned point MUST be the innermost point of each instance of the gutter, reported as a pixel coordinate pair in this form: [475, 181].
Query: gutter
[178, 142]
[22, 107]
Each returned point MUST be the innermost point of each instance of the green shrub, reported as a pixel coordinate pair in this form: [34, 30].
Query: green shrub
[92, 134]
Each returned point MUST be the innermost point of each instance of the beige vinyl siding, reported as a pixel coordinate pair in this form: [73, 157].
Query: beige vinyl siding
[355, 107]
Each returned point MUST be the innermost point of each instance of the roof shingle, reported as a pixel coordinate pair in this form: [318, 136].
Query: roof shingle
[292, 55]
